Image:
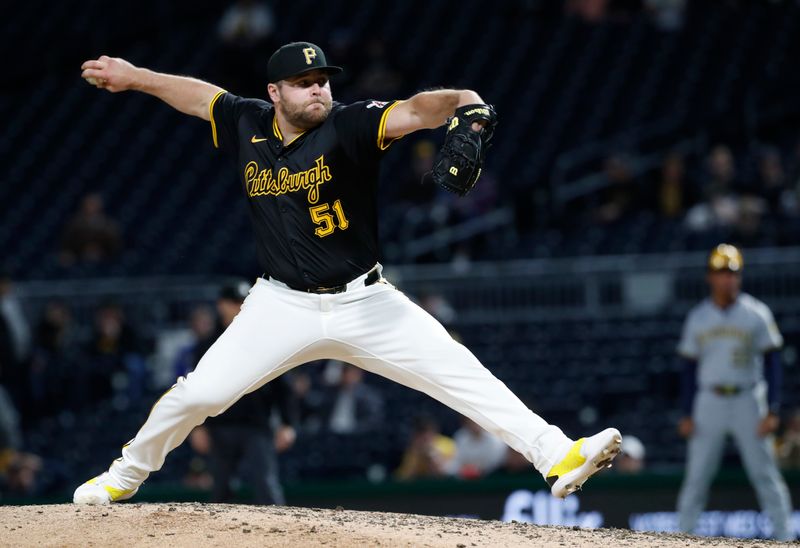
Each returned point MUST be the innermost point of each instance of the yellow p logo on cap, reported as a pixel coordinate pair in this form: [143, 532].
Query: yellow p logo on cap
[310, 54]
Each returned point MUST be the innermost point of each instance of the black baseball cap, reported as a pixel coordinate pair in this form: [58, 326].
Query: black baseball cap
[235, 291]
[296, 58]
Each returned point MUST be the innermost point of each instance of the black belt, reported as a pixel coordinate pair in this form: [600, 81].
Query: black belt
[729, 390]
[373, 277]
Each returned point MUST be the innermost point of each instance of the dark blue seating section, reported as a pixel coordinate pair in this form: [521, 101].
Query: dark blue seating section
[558, 83]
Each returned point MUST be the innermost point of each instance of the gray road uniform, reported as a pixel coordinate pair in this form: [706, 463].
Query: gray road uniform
[728, 347]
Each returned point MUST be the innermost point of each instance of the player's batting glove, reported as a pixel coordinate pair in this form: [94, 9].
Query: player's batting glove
[460, 160]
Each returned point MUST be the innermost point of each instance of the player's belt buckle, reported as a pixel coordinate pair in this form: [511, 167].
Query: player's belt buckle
[726, 390]
[328, 290]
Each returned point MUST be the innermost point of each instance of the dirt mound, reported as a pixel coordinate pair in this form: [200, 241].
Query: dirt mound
[178, 525]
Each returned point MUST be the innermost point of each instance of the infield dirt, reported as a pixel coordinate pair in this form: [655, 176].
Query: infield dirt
[195, 524]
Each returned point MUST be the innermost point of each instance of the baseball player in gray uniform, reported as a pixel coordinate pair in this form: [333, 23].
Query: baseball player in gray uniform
[731, 385]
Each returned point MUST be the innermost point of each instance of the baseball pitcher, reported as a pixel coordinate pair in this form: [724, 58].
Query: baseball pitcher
[308, 167]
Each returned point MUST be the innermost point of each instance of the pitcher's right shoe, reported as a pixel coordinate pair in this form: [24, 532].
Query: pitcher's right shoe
[101, 490]
[586, 457]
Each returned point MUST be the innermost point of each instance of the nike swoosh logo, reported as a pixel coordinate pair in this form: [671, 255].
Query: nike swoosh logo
[254, 139]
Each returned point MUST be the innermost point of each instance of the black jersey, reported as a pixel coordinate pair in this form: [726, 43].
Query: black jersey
[312, 202]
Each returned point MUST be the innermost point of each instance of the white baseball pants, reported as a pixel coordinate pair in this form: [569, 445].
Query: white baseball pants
[374, 327]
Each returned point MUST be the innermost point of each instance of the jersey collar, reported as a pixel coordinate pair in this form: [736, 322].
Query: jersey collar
[276, 131]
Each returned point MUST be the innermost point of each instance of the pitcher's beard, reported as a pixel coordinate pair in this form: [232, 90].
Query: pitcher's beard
[301, 118]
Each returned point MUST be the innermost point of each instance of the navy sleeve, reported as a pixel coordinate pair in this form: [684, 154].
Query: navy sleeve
[688, 385]
[284, 401]
[773, 373]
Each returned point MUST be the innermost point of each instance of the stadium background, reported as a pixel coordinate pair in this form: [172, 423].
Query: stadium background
[568, 272]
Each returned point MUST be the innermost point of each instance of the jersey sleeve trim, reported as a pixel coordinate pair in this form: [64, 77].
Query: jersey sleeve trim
[382, 145]
[211, 116]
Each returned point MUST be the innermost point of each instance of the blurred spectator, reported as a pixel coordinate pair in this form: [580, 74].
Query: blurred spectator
[242, 442]
[115, 358]
[773, 184]
[631, 457]
[721, 170]
[355, 407]
[245, 32]
[247, 23]
[478, 453]
[789, 448]
[673, 194]
[429, 453]
[18, 470]
[667, 15]
[204, 333]
[309, 401]
[15, 340]
[21, 475]
[53, 363]
[721, 205]
[199, 475]
[621, 197]
[91, 236]
[748, 223]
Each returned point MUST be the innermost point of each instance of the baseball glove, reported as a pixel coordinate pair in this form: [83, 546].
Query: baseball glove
[458, 164]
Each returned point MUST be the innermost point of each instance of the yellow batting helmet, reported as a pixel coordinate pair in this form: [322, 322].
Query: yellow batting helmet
[725, 257]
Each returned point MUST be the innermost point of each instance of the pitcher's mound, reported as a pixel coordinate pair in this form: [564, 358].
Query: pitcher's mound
[194, 524]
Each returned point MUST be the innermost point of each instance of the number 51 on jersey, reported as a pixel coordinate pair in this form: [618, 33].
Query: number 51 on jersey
[329, 218]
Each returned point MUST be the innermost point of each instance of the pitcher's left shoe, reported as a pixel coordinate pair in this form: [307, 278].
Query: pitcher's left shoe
[586, 457]
[101, 490]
